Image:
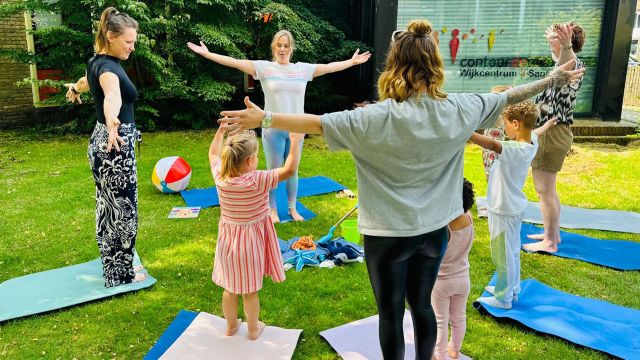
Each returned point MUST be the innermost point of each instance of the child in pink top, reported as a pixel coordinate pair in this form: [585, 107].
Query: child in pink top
[451, 291]
[247, 248]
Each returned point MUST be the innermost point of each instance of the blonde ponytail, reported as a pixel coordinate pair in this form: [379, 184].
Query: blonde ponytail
[114, 21]
[235, 150]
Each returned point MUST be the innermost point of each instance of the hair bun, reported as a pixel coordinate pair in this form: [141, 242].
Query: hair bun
[419, 28]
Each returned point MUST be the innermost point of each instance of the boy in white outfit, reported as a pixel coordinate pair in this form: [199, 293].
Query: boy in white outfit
[506, 201]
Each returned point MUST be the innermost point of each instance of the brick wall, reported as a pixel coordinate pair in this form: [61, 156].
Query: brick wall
[16, 103]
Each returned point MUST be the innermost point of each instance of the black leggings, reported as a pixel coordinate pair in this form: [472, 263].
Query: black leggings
[402, 267]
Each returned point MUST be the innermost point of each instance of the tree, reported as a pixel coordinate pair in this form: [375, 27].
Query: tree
[177, 88]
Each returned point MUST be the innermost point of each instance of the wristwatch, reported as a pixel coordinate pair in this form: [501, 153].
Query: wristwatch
[267, 120]
[73, 89]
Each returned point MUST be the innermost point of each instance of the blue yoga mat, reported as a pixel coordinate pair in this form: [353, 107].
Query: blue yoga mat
[173, 332]
[578, 218]
[588, 322]
[59, 288]
[316, 185]
[616, 254]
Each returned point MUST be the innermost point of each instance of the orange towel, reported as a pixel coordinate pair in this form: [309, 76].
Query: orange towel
[304, 243]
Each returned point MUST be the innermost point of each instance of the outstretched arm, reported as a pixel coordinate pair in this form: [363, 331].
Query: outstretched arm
[548, 125]
[240, 64]
[356, 59]
[215, 149]
[564, 33]
[112, 103]
[251, 118]
[486, 142]
[75, 89]
[561, 76]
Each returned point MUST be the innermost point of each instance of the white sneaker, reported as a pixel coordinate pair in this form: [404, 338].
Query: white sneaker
[492, 290]
[493, 302]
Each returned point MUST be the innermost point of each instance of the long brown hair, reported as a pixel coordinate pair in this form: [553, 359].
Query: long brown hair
[235, 150]
[413, 63]
[114, 21]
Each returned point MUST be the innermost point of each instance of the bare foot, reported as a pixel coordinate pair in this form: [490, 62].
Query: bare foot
[294, 215]
[452, 353]
[255, 333]
[274, 216]
[546, 246]
[138, 268]
[139, 277]
[539, 237]
[233, 329]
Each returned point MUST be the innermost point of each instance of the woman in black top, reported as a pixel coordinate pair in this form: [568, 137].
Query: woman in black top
[111, 148]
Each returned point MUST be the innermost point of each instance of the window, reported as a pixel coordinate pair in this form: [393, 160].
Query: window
[492, 42]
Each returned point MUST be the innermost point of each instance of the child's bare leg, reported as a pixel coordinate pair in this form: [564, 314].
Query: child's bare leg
[230, 310]
[251, 304]
[454, 354]
[274, 216]
[294, 214]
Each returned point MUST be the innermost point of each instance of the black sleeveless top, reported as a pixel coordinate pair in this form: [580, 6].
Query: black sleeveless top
[100, 64]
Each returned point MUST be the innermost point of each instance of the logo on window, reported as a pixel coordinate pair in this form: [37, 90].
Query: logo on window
[473, 36]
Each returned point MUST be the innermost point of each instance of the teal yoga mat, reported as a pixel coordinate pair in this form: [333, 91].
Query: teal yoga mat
[59, 288]
[578, 218]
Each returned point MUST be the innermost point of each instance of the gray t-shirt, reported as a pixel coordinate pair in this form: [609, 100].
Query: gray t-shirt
[409, 158]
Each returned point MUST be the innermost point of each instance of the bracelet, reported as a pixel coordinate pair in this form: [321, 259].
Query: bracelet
[73, 89]
[567, 48]
[267, 120]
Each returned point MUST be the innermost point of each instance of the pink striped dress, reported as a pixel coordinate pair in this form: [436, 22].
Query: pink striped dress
[247, 248]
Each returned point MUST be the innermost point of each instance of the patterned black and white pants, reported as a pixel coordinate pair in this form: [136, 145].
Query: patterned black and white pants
[115, 175]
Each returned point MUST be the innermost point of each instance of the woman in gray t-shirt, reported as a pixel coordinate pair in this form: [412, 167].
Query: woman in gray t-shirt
[408, 149]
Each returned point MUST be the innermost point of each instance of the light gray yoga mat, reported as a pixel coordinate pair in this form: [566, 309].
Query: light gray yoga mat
[59, 288]
[359, 340]
[204, 339]
[579, 218]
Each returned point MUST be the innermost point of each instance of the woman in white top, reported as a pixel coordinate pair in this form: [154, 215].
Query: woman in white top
[284, 84]
[408, 149]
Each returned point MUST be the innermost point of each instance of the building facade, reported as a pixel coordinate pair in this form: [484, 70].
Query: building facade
[16, 103]
[493, 42]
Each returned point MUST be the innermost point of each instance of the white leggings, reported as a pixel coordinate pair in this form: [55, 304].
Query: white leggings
[504, 232]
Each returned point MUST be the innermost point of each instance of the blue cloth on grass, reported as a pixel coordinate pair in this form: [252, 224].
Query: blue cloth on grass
[338, 250]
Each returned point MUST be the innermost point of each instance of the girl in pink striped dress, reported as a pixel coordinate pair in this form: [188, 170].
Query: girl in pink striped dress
[247, 248]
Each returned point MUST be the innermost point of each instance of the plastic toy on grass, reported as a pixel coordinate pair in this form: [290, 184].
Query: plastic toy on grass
[329, 235]
[171, 174]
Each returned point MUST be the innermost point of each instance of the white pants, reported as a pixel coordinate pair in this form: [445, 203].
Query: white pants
[504, 232]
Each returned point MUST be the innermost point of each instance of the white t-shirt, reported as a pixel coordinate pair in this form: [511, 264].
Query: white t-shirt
[284, 85]
[409, 158]
[507, 177]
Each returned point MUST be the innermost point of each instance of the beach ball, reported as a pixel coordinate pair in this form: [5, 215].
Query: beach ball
[171, 174]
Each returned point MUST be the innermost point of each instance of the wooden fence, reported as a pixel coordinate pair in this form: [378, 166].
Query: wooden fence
[632, 87]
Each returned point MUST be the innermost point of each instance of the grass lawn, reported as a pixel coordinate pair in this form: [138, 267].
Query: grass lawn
[47, 222]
